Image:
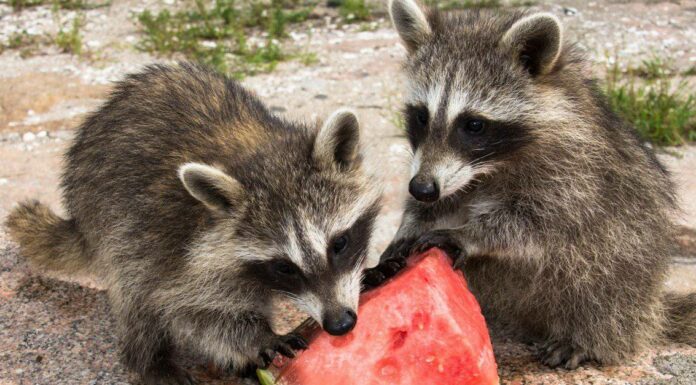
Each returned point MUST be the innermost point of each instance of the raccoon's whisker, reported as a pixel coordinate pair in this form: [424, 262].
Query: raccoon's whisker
[286, 293]
[482, 157]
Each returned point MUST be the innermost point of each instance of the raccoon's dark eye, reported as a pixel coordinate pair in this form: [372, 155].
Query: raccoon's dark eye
[340, 244]
[422, 116]
[474, 126]
[284, 268]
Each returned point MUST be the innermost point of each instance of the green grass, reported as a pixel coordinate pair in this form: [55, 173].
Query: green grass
[354, 10]
[27, 44]
[62, 4]
[463, 4]
[217, 33]
[307, 58]
[653, 68]
[70, 40]
[466, 4]
[690, 72]
[662, 108]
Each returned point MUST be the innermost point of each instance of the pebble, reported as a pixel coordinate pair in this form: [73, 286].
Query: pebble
[570, 11]
[42, 134]
[28, 137]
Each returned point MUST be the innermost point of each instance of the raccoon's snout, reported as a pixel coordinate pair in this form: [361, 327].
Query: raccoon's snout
[424, 189]
[340, 323]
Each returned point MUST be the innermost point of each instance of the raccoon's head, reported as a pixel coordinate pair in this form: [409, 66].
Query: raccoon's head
[475, 96]
[295, 219]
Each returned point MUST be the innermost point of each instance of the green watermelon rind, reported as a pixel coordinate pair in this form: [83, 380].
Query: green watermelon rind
[265, 377]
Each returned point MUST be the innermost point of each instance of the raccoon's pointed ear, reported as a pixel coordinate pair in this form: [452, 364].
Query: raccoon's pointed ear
[410, 22]
[216, 189]
[537, 41]
[338, 141]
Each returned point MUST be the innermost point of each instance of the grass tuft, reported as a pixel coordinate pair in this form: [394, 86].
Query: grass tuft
[662, 109]
[466, 4]
[18, 5]
[26, 43]
[70, 40]
[463, 4]
[354, 10]
[218, 33]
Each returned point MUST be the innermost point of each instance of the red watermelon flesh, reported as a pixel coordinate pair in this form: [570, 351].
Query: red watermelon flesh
[423, 327]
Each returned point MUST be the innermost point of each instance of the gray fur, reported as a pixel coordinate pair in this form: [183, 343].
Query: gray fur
[190, 199]
[560, 213]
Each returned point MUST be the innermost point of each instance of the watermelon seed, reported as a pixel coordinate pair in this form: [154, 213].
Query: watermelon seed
[388, 371]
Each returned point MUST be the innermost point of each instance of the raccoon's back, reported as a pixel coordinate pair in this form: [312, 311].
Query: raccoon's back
[122, 167]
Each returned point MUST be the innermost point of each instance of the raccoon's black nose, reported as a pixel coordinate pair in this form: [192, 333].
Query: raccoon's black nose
[340, 323]
[424, 189]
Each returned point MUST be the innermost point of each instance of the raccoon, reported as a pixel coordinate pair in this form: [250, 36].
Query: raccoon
[555, 210]
[198, 207]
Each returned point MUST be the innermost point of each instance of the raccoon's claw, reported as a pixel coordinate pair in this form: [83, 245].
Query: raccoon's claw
[372, 278]
[399, 249]
[558, 354]
[284, 345]
[441, 239]
[295, 341]
[385, 270]
[265, 358]
[392, 261]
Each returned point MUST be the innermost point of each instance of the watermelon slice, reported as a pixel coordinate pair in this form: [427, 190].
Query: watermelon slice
[423, 327]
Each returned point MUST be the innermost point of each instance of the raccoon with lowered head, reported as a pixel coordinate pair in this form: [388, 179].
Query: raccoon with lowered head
[197, 207]
[558, 215]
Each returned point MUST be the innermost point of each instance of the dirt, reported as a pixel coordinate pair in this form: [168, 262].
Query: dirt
[59, 103]
[58, 332]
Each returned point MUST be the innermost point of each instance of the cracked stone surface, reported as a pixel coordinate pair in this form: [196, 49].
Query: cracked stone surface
[58, 330]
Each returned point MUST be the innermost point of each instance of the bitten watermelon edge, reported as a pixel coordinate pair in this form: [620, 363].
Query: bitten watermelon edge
[423, 327]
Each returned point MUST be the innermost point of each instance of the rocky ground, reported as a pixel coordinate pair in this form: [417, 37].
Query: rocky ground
[55, 331]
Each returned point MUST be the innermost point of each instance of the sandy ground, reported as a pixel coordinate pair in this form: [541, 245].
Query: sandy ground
[57, 332]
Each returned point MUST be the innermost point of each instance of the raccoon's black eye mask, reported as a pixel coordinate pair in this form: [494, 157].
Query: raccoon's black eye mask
[417, 120]
[477, 137]
[282, 268]
[278, 273]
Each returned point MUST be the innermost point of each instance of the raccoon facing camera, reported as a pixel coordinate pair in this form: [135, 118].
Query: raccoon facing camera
[558, 214]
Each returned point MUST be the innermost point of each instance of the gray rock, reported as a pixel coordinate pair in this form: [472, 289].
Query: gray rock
[28, 137]
[680, 367]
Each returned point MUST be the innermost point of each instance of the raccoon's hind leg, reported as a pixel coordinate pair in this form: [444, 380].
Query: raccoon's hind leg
[163, 371]
[562, 354]
[149, 352]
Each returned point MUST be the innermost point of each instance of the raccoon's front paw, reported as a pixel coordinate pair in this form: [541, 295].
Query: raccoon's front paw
[285, 345]
[391, 262]
[556, 354]
[380, 273]
[442, 239]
